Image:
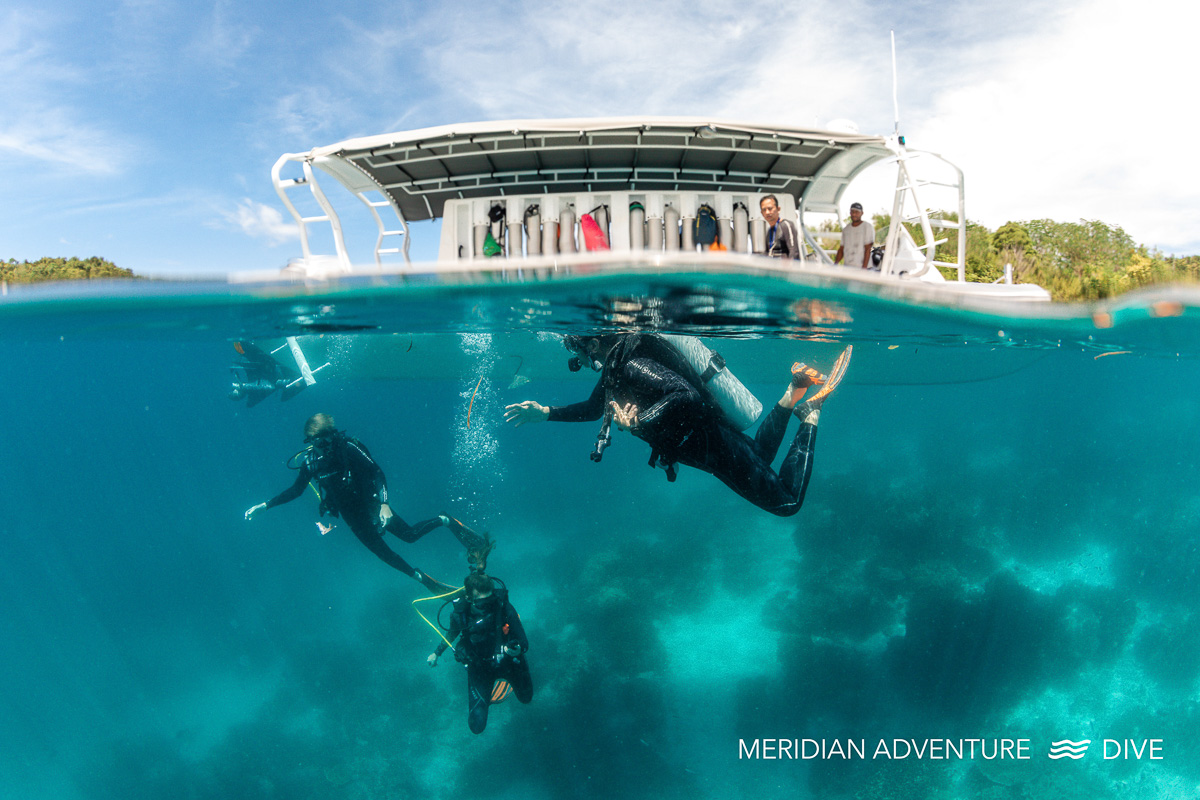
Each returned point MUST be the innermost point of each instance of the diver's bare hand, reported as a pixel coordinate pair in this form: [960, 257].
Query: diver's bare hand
[625, 417]
[432, 659]
[385, 513]
[526, 411]
[250, 512]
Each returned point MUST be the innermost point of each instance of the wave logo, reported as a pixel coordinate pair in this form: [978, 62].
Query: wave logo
[1068, 749]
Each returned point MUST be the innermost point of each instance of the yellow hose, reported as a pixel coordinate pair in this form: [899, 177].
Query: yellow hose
[427, 622]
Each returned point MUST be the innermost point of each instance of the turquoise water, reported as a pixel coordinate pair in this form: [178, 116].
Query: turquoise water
[999, 542]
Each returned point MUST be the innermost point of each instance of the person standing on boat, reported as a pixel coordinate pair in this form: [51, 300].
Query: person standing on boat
[857, 240]
[491, 643]
[351, 485]
[648, 389]
[782, 239]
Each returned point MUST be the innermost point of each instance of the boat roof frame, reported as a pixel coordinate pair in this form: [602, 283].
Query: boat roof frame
[418, 171]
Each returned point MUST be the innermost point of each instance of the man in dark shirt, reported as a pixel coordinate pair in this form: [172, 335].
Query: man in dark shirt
[492, 644]
[782, 240]
[651, 391]
[351, 485]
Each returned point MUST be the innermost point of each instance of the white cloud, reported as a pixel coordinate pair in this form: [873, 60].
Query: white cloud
[262, 222]
[522, 60]
[35, 128]
[54, 135]
[1084, 119]
[307, 114]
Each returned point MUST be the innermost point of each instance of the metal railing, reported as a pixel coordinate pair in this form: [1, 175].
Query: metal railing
[341, 255]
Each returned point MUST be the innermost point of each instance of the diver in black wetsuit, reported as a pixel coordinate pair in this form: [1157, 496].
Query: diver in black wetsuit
[649, 390]
[353, 487]
[492, 646]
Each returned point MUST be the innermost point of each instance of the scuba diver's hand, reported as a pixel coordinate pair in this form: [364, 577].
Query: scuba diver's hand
[513, 651]
[250, 512]
[526, 411]
[444, 520]
[433, 657]
[385, 513]
[626, 418]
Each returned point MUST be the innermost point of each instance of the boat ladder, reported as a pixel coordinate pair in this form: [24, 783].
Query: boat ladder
[904, 255]
[358, 186]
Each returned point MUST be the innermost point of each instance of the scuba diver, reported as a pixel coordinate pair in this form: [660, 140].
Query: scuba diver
[492, 647]
[351, 485]
[648, 387]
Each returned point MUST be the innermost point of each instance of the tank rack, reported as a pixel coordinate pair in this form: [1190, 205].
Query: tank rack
[549, 224]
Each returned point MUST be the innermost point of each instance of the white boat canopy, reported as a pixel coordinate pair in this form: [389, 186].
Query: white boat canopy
[420, 170]
[526, 183]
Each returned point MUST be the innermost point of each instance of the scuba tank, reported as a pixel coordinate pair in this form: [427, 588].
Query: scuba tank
[671, 227]
[637, 226]
[549, 237]
[533, 230]
[704, 369]
[566, 230]
[654, 234]
[740, 406]
[758, 235]
[741, 227]
[507, 230]
[600, 214]
[512, 241]
[497, 230]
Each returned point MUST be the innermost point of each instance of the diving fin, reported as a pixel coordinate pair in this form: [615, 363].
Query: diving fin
[835, 377]
[804, 376]
[431, 583]
[500, 690]
[477, 545]
[467, 537]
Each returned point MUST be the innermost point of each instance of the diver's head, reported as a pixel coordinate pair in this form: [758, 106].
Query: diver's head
[586, 351]
[478, 589]
[320, 432]
[319, 426]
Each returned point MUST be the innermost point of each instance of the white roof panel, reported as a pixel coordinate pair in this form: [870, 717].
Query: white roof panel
[419, 170]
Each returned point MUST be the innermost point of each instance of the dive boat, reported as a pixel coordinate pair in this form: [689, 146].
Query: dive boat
[543, 198]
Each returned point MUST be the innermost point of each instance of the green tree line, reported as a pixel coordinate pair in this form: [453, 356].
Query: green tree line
[60, 269]
[1074, 261]
[1085, 260]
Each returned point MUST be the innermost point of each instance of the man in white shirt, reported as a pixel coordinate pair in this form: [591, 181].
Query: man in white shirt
[857, 240]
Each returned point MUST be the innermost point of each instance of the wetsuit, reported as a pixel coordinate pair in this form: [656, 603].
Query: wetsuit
[684, 425]
[353, 487]
[484, 629]
[782, 241]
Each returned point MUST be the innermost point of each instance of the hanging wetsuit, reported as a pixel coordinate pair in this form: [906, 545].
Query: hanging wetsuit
[485, 627]
[684, 425]
[353, 487]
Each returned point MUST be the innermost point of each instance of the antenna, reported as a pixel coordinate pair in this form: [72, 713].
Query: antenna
[895, 102]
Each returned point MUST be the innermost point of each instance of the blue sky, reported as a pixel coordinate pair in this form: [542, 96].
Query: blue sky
[144, 131]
